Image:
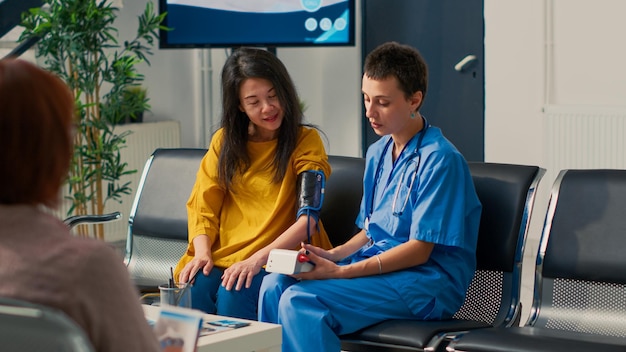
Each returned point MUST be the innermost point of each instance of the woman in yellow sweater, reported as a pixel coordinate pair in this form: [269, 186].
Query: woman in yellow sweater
[247, 197]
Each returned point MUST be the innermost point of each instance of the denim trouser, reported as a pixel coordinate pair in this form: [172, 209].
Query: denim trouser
[208, 295]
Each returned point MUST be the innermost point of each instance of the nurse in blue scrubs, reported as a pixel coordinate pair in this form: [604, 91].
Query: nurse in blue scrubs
[415, 255]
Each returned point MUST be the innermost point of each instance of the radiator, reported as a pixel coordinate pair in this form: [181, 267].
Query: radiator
[584, 137]
[144, 139]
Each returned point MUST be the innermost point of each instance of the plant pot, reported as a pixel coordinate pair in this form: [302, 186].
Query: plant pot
[138, 118]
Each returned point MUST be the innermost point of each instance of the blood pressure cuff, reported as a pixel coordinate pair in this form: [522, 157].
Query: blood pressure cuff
[310, 189]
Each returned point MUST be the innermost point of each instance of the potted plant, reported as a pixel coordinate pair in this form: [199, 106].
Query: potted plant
[134, 104]
[79, 43]
[136, 98]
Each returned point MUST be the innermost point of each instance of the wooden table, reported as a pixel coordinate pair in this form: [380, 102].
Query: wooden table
[258, 337]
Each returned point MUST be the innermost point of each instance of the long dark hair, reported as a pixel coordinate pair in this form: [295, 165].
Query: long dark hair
[242, 64]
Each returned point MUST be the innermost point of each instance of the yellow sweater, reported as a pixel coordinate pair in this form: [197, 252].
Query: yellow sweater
[255, 211]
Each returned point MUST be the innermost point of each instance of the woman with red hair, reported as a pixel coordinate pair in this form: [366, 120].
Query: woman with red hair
[40, 261]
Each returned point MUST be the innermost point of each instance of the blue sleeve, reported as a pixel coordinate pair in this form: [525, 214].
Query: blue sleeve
[439, 203]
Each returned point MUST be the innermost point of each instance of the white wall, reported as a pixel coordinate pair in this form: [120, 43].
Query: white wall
[589, 46]
[513, 80]
[171, 78]
[538, 54]
[547, 52]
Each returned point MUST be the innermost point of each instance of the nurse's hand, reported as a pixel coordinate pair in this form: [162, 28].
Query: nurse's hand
[321, 252]
[323, 269]
[241, 273]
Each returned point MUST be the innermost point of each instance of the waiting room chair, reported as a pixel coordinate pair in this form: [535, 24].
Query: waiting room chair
[342, 196]
[157, 232]
[507, 193]
[28, 327]
[579, 300]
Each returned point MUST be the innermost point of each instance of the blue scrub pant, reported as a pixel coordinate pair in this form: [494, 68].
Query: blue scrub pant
[208, 295]
[314, 312]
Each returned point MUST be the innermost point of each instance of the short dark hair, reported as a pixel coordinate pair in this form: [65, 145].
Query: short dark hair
[242, 64]
[36, 124]
[403, 62]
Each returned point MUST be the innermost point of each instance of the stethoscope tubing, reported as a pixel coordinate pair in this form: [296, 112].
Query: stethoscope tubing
[377, 175]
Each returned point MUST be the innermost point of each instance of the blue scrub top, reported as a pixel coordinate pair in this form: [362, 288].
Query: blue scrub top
[442, 208]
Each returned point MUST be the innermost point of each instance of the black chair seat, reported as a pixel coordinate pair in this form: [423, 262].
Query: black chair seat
[530, 339]
[403, 333]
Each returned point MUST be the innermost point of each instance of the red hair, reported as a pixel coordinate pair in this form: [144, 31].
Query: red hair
[36, 133]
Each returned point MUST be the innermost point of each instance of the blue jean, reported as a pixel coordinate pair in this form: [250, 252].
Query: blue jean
[208, 295]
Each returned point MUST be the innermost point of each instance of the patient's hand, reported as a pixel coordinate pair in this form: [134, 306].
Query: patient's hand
[198, 263]
[241, 273]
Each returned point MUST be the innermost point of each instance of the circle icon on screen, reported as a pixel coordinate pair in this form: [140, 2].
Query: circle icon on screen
[310, 24]
[311, 5]
[326, 23]
[341, 24]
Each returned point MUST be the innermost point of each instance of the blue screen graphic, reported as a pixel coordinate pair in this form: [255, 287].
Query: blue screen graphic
[305, 23]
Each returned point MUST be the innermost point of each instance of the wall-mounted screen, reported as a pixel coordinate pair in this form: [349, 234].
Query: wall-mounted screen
[268, 23]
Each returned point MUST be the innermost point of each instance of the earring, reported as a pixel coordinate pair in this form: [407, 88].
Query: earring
[412, 115]
[251, 129]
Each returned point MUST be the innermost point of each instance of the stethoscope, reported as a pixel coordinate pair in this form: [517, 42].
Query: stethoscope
[414, 158]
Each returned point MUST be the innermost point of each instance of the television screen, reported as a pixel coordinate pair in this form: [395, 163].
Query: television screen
[268, 23]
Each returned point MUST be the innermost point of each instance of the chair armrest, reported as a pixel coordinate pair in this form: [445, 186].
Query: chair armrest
[91, 219]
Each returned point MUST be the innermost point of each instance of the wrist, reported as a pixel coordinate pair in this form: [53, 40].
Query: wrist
[335, 254]
[345, 271]
[202, 244]
[258, 259]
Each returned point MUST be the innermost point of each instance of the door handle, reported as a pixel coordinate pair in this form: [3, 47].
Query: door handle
[465, 63]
